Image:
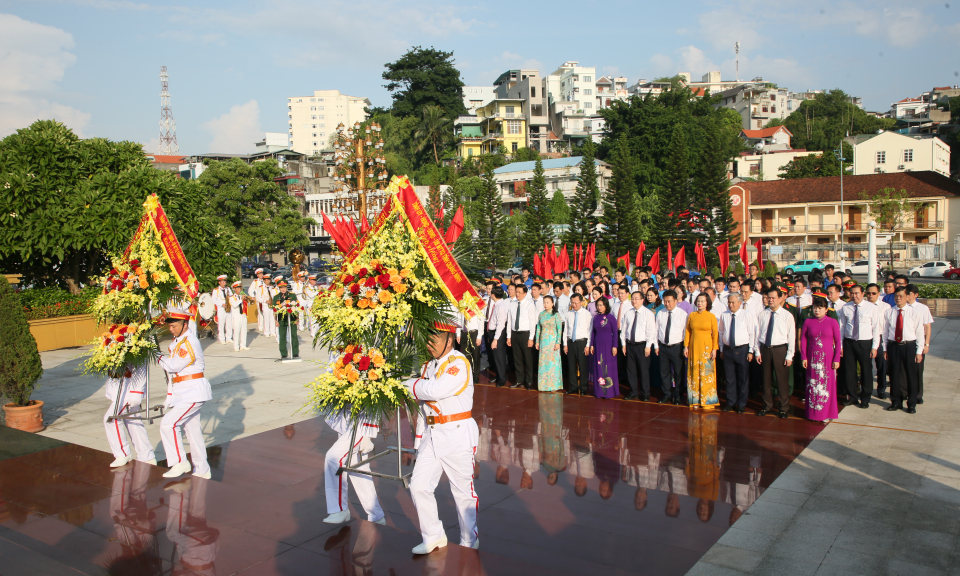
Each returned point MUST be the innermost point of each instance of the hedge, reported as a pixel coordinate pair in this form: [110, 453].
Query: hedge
[53, 302]
[939, 290]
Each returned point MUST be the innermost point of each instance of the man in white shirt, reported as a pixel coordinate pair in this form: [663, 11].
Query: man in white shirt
[253, 291]
[577, 327]
[717, 305]
[913, 291]
[834, 293]
[776, 339]
[535, 298]
[903, 345]
[861, 339]
[873, 294]
[562, 300]
[671, 323]
[738, 336]
[497, 334]
[469, 339]
[638, 332]
[521, 328]
[801, 297]
[752, 302]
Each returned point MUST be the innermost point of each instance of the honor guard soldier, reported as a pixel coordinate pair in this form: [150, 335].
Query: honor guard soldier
[238, 316]
[220, 295]
[187, 390]
[254, 291]
[126, 395]
[310, 292]
[446, 442]
[285, 322]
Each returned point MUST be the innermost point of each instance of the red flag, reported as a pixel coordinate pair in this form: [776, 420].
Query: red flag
[455, 228]
[669, 256]
[759, 246]
[334, 233]
[364, 224]
[640, 251]
[576, 256]
[536, 264]
[439, 215]
[564, 259]
[592, 256]
[701, 257]
[681, 259]
[723, 251]
[655, 262]
[743, 258]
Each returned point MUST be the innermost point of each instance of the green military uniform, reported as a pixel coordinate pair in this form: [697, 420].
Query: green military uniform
[287, 323]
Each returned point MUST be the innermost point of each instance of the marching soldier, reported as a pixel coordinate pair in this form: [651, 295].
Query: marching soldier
[126, 394]
[310, 292]
[285, 321]
[254, 291]
[238, 316]
[220, 295]
[187, 390]
[447, 437]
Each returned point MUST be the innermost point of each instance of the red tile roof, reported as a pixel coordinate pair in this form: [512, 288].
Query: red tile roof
[764, 132]
[167, 159]
[943, 88]
[910, 100]
[805, 190]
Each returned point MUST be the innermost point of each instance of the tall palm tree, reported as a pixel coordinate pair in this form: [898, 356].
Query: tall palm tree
[434, 129]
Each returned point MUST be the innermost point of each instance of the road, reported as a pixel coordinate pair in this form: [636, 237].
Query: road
[920, 280]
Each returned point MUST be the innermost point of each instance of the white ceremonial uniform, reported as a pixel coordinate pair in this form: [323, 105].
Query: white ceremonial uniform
[187, 390]
[445, 391]
[336, 487]
[265, 297]
[238, 321]
[224, 318]
[296, 288]
[306, 300]
[254, 292]
[195, 544]
[125, 395]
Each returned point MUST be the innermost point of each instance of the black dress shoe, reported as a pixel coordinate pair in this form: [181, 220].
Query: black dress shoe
[517, 385]
[911, 410]
[631, 397]
[676, 401]
[919, 400]
[864, 404]
[741, 410]
[726, 408]
[893, 408]
[782, 414]
[882, 395]
[664, 400]
[762, 412]
[645, 398]
[572, 392]
[849, 402]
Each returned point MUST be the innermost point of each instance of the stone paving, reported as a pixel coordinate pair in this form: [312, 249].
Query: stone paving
[874, 493]
[251, 392]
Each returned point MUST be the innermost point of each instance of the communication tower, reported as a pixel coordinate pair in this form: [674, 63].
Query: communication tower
[168, 126]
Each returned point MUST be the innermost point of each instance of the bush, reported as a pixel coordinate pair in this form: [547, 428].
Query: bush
[53, 302]
[769, 270]
[939, 291]
[20, 366]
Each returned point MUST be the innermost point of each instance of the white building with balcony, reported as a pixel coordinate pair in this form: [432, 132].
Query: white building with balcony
[889, 152]
[560, 174]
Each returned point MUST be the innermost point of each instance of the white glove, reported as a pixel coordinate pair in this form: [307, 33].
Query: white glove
[132, 399]
[168, 403]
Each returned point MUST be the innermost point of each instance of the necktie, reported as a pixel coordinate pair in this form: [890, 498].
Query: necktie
[898, 334]
[856, 322]
[620, 314]
[573, 335]
[516, 320]
[831, 305]
[666, 336]
[733, 330]
[773, 316]
[636, 322]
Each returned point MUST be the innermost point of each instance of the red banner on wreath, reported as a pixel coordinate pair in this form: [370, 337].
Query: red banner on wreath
[155, 217]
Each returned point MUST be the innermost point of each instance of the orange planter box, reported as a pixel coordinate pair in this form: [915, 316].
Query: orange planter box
[63, 332]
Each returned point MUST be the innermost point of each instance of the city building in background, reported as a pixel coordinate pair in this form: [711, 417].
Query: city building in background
[311, 120]
[888, 152]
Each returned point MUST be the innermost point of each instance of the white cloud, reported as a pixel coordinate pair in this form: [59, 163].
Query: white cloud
[33, 58]
[694, 60]
[236, 131]
[151, 146]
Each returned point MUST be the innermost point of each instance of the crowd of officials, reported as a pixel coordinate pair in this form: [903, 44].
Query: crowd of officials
[696, 337]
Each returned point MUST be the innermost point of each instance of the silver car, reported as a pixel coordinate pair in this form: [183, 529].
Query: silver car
[933, 268]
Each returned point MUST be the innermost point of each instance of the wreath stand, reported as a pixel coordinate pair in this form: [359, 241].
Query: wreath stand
[399, 449]
[146, 410]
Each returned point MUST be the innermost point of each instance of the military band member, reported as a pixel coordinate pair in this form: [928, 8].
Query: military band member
[220, 295]
[187, 390]
[296, 287]
[265, 298]
[447, 437]
[254, 291]
[310, 292]
[126, 395]
[238, 316]
[285, 322]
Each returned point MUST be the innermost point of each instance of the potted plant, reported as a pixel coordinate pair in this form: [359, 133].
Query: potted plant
[20, 366]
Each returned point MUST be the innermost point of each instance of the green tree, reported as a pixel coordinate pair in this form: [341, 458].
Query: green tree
[537, 229]
[246, 198]
[712, 187]
[889, 208]
[586, 199]
[434, 130]
[525, 154]
[20, 366]
[812, 166]
[493, 244]
[67, 203]
[677, 210]
[559, 211]
[434, 199]
[423, 77]
[621, 211]
[821, 123]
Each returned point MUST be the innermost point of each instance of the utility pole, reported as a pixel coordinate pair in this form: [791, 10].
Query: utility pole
[736, 48]
[839, 155]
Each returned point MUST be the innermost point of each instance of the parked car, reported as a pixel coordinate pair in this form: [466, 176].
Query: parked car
[482, 272]
[861, 267]
[804, 267]
[952, 273]
[933, 268]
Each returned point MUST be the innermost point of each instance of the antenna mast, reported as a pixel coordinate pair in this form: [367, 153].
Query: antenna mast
[168, 126]
[737, 49]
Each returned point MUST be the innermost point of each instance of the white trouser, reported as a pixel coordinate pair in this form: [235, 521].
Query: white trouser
[269, 322]
[187, 417]
[122, 433]
[301, 320]
[337, 487]
[224, 325]
[239, 325]
[426, 475]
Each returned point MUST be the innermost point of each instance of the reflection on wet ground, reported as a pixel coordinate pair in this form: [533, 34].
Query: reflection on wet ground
[567, 485]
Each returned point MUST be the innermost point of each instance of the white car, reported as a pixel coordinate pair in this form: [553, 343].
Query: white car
[861, 268]
[934, 268]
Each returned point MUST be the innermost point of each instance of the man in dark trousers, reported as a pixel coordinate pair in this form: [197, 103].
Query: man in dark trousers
[860, 328]
[577, 327]
[521, 328]
[638, 332]
[738, 336]
[496, 335]
[671, 324]
[903, 343]
[776, 338]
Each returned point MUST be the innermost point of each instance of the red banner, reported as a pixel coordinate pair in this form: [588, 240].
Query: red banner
[155, 217]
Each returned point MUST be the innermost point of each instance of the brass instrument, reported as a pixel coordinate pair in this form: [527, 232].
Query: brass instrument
[226, 303]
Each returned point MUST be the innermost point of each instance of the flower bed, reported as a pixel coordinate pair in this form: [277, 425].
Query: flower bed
[950, 291]
[53, 302]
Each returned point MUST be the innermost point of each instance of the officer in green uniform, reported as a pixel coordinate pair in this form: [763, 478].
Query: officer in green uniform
[286, 308]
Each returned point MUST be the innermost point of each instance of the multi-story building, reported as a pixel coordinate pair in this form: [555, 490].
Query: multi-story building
[610, 89]
[910, 108]
[711, 81]
[477, 96]
[501, 122]
[311, 120]
[643, 87]
[571, 101]
[758, 102]
[889, 151]
[527, 85]
[560, 174]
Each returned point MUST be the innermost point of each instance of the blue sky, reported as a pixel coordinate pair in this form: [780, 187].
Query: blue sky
[94, 64]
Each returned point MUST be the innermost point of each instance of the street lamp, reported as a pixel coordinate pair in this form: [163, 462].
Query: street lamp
[840, 158]
[360, 171]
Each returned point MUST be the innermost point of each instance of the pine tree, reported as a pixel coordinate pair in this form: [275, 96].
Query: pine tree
[559, 211]
[493, 244]
[621, 213]
[675, 197]
[712, 188]
[586, 199]
[537, 229]
[20, 366]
